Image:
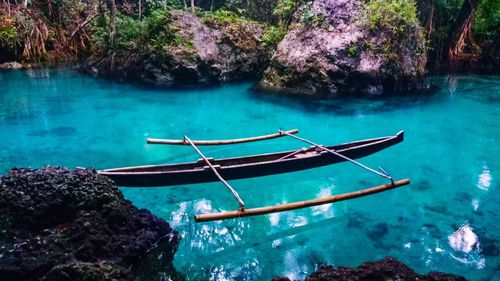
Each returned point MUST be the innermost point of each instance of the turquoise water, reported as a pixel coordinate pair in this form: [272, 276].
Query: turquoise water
[451, 153]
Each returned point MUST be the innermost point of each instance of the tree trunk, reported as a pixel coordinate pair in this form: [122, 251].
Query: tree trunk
[461, 32]
[140, 10]
[112, 19]
[192, 6]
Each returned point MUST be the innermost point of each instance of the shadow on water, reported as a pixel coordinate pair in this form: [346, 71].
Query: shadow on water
[55, 132]
[346, 106]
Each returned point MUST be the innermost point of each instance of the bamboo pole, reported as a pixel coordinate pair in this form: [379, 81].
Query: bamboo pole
[383, 174]
[222, 142]
[301, 204]
[235, 194]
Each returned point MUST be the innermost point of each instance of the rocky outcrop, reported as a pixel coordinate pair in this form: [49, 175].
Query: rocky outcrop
[385, 269]
[59, 224]
[208, 51]
[11, 65]
[330, 50]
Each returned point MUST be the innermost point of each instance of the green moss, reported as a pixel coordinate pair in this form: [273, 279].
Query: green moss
[353, 50]
[180, 40]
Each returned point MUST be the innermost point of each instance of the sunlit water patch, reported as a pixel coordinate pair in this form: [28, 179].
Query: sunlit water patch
[445, 220]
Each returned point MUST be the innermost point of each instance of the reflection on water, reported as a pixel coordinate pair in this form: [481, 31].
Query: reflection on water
[467, 248]
[446, 220]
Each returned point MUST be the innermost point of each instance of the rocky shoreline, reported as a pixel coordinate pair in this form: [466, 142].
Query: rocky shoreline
[212, 51]
[59, 224]
[384, 269]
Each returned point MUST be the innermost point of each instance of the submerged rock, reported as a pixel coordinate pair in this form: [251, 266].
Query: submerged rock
[464, 239]
[59, 224]
[206, 51]
[385, 269]
[330, 50]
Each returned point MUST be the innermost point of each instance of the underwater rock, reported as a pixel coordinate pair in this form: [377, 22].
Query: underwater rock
[209, 51]
[58, 131]
[378, 231]
[59, 224]
[330, 51]
[384, 269]
[423, 185]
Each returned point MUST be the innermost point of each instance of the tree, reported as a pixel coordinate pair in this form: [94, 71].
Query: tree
[461, 31]
[112, 20]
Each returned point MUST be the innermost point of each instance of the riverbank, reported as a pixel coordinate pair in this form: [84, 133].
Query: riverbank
[324, 47]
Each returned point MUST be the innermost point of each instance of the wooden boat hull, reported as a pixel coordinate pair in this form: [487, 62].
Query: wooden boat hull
[245, 167]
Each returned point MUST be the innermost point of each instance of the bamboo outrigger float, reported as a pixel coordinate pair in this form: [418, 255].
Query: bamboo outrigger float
[208, 169]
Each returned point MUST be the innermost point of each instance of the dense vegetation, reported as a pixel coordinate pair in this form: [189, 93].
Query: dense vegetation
[39, 30]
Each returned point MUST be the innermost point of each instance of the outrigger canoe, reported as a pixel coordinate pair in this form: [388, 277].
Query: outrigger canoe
[246, 166]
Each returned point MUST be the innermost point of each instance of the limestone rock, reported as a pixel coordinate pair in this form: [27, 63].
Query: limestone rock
[334, 53]
[11, 65]
[212, 51]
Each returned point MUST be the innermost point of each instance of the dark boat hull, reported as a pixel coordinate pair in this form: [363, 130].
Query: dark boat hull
[245, 167]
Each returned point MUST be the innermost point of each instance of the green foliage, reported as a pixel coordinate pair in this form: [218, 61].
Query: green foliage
[223, 16]
[157, 29]
[396, 16]
[9, 35]
[396, 21]
[486, 24]
[129, 34]
[273, 36]
[286, 8]
[259, 10]
[24, 35]
[136, 36]
[154, 5]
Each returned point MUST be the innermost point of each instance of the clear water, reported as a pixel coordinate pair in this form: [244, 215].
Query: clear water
[451, 153]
